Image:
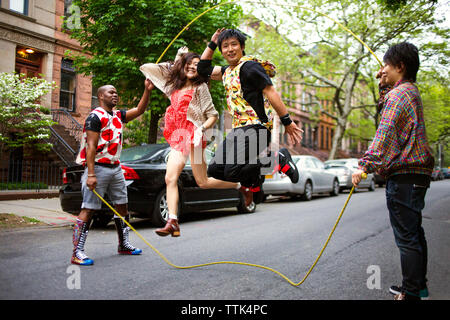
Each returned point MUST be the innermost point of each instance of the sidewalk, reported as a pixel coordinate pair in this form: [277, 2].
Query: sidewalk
[43, 206]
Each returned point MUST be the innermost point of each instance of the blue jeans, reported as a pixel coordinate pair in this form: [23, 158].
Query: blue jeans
[405, 203]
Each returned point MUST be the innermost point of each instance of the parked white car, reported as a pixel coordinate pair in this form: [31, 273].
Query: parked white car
[344, 169]
[314, 179]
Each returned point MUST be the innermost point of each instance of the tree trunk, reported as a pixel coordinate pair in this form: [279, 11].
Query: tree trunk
[337, 138]
[153, 129]
[343, 114]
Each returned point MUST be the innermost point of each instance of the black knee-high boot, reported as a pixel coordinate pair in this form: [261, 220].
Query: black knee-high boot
[123, 232]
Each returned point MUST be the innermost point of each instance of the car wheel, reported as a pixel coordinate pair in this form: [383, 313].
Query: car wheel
[161, 210]
[372, 185]
[336, 188]
[307, 195]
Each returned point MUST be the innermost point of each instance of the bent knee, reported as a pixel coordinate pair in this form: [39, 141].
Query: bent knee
[171, 180]
[202, 184]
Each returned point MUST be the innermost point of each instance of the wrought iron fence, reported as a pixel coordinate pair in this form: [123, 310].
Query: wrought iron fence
[30, 175]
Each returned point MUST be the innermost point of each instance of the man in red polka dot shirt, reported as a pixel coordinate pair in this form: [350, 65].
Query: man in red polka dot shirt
[100, 150]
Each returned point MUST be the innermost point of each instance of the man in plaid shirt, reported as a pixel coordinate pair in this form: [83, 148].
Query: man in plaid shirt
[400, 152]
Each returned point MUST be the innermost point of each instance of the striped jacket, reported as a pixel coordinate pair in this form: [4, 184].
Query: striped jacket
[400, 145]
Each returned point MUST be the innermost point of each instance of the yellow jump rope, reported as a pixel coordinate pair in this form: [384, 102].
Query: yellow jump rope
[235, 262]
[364, 175]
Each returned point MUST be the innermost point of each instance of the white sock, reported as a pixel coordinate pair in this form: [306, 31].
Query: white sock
[238, 185]
[173, 216]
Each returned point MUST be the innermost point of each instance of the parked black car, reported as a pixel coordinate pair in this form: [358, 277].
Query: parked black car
[144, 169]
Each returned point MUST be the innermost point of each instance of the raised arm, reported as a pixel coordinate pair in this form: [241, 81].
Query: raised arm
[205, 67]
[143, 103]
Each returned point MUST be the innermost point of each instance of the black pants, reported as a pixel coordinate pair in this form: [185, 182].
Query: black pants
[238, 158]
[405, 202]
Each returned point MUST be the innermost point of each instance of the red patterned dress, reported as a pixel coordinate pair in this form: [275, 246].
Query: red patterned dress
[178, 131]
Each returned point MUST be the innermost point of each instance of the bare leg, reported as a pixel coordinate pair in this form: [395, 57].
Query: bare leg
[175, 165]
[199, 170]
[85, 215]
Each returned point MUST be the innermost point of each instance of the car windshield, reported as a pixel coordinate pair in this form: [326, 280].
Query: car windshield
[351, 163]
[335, 163]
[140, 152]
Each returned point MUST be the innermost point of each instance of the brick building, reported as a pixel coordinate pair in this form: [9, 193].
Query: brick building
[32, 42]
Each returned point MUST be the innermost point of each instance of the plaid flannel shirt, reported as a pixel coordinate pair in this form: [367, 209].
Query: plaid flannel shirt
[400, 145]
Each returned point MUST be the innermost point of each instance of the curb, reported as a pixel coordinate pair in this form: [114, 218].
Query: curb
[28, 195]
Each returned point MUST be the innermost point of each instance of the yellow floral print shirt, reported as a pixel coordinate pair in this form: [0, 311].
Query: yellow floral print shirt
[241, 111]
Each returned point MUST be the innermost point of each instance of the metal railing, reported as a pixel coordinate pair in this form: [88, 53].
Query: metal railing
[63, 117]
[30, 175]
[62, 148]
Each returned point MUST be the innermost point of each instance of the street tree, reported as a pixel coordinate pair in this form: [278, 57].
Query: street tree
[119, 36]
[23, 120]
[332, 58]
[436, 103]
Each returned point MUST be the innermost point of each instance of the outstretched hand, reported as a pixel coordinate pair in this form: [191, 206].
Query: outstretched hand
[294, 133]
[182, 51]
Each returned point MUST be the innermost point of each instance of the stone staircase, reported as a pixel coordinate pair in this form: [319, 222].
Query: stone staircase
[65, 136]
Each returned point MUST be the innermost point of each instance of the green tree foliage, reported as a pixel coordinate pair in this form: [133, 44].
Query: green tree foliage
[334, 60]
[119, 36]
[23, 121]
[436, 104]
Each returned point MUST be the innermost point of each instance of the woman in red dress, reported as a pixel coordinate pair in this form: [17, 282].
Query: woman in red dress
[190, 113]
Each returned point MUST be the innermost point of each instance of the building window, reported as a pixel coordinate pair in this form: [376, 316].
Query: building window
[67, 4]
[20, 6]
[94, 98]
[321, 138]
[68, 86]
[303, 100]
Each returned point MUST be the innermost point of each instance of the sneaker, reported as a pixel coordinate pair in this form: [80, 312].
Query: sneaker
[80, 258]
[129, 250]
[405, 296]
[286, 165]
[248, 195]
[395, 290]
[171, 228]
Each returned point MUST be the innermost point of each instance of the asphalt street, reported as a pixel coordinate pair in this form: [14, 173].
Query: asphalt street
[360, 262]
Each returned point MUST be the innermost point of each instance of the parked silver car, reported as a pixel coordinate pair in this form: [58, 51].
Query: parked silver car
[344, 169]
[314, 179]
